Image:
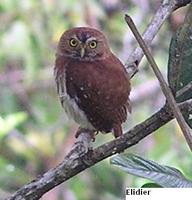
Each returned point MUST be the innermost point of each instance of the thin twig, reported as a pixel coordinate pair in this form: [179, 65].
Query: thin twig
[166, 90]
[185, 89]
[162, 13]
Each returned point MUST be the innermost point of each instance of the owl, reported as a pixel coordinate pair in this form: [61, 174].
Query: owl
[92, 84]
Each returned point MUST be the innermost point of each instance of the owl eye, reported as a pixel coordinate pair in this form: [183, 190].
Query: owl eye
[93, 44]
[73, 42]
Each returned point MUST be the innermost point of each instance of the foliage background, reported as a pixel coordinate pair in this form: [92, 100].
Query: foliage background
[35, 133]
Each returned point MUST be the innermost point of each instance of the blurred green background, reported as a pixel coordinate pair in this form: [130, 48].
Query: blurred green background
[35, 133]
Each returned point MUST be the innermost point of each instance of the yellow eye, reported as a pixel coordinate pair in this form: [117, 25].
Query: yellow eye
[93, 44]
[73, 42]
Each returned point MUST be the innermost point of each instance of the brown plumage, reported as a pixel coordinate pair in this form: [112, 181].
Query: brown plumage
[92, 83]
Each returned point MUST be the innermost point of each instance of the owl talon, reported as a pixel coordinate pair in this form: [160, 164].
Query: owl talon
[117, 130]
[83, 130]
[82, 148]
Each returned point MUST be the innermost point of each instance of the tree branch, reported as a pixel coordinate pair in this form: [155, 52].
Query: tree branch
[74, 164]
[163, 12]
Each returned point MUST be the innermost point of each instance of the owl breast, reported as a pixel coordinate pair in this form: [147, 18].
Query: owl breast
[94, 94]
[70, 103]
[92, 83]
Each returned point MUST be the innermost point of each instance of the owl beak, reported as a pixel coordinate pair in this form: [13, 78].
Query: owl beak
[82, 52]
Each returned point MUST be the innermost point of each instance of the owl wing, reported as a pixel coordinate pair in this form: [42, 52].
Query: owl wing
[101, 90]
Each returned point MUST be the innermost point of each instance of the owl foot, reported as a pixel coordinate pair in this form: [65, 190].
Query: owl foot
[84, 138]
[82, 147]
[83, 130]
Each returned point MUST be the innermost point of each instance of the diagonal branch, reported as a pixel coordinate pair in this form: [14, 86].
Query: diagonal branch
[163, 12]
[165, 88]
[74, 164]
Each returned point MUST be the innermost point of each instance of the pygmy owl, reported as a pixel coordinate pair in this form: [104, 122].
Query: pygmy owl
[92, 83]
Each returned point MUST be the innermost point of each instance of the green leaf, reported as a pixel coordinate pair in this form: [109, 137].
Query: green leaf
[10, 122]
[151, 185]
[163, 175]
[180, 61]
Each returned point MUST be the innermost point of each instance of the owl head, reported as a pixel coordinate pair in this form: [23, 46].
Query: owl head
[83, 43]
